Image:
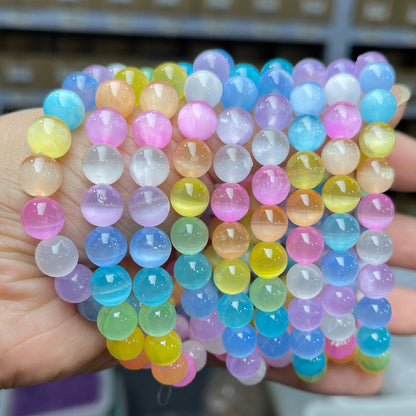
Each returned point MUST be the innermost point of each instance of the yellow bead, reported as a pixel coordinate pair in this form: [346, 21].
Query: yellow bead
[189, 197]
[268, 259]
[377, 140]
[232, 276]
[305, 170]
[375, 175]
[230, 240]
[373, 364]
[341, 193]
[135, 78]
[163, 350]
[127, 348]
[173, 74]
[304, 207]
[212, 256]
[49, 136]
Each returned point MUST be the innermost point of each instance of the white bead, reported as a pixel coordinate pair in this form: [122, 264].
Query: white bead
[374, 247]
[257, 378]
[235, 126]
[214, 346]
[304, 281]
[232, 163]
[204, 86]
[338, 328]
[197, 351]
[270, 147]
[116, 67]
[342, 87]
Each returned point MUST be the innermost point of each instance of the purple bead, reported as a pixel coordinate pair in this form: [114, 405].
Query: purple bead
[230, 202]
[375, 211]
[152, 128]
[270, 185]
[340, 65]
[305, 244]
[207, 328]
[338, 300]
[376, 281]
[273, 111]
[281, 361]
[74, 287]
[243, 367]
[102, 205]
[106, 125]
[309, 70]
[235, 126]
[305, 314]
[149, 206]
[182, 327]
[99, 73]
[365, 59]
[215, 62]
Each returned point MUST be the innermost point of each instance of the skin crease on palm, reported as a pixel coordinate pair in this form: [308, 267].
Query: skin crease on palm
[44, 338]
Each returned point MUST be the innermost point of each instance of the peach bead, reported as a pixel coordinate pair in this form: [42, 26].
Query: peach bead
[160, 96]
[340, 157]
[116, 94]
[375, 175]
[136, 363]
[304, 207]
[192, 158]
[172, 373]
[269, 223]
[230, 240]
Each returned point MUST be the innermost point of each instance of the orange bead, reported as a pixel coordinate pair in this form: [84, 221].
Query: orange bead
[159, 96]
[375, 175]
[304, 207]
[192, 158]
[136, 363]
[230, 240]
[269, 223]
[172, 373]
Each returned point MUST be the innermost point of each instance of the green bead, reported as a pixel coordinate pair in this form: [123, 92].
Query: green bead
[268, 294]
[157, 320]
[312, 379]
[189, 235]
[148, 72]
[373, 364]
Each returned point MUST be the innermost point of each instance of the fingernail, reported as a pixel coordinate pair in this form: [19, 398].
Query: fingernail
[402, 93]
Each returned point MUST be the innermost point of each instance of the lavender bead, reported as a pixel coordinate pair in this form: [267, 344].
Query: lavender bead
[74, 287]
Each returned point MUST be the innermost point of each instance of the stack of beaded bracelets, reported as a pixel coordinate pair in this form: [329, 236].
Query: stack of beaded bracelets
[284, 263]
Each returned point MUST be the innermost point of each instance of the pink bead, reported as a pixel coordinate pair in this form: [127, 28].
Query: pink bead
[197, 120]
[305, 244]
[153, 128]
[342, 120]
[375, 211]
[340, 349]
[281, 361]
[270, 185]
[230, 202]
[106, 125]
[190, 373]
[42, 218]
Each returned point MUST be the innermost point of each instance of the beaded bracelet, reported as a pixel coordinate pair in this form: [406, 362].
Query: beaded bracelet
[284, 263]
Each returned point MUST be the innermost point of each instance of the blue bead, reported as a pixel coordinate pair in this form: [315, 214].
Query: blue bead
[110, 286]
[339, 268]
[239, 92]
[278, 63]
[150, 247]
[65, 105]
[373, 313]
[227, 55]
[89, 309]
[133, 301]
[152, 286]
[246, 70]
[377, 75]
[187, 67]
[274, 347]
[308, 98]
[271, 324]
[235, 311]
[340, 231]
[200, 303]
[307, 344]
[378, 105]
[85, 86]
[307, 132]
[239, 342]
[373, 342]
[192, 271]
[275, 81]
[105, 246]
[309, 367]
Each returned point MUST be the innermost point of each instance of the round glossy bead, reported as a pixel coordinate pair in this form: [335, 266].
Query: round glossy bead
[75, 286]
[197, 351]
[172, 74]
[373, 364]
[377, 140]
[42, 217]
[341, 193]
[338, 328]
[203, 86]
[342, 120]
[375, 211]
[149, 166]
[308, 98]
[307, 344]
[245, 367]
[235, 126]
[239, 342]
[181, 325]
[190, 372]
[85, 86]
[340, 231]
[49, 136]
[309, 70]
[375, 175]
[230, 202]
[133, 301]
[135, 78]
[304, 207]
[275, 80]
[270, 185]
[136, 363]
[207, 328]
[235, 311]
[159, 96]
[157, 320]
[270, 147]
[282, 361]
[163, 350]
[229, 58]
[232, 163]
[152, 286]
[367, 58]
[342, 87]
[192, 271]
[340, 350]
[273, 111]
[373, 342]
[127, 348]
[338, 300]
[378, 105]
[117, 322]
[305, 170]
[116, 94]
[304, 281]
[268, 294]
[374, 247]
[340, 156]
[65, 105]
[102, 163]
[110, 285]
[150, 247]
[309, 367]
[377, 75]
[376, 281]
[213, 61]
[305, 244]
[340, 65]
[339, 268]
[149, 206]
[115, 67]
[274, 347]
[269, 223]
[246, 70]
[239, 91]
[56, 256]
[152, 128]
[373, 313]
[89, 308]
[232, 276]
[148, 72]
[278, 63]
[200, 302]
[307, 132]
[268, 260]
[305, 314]
[271, 324]
[230, 240]
[192, 158]
[189, 235]
[99, 73]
